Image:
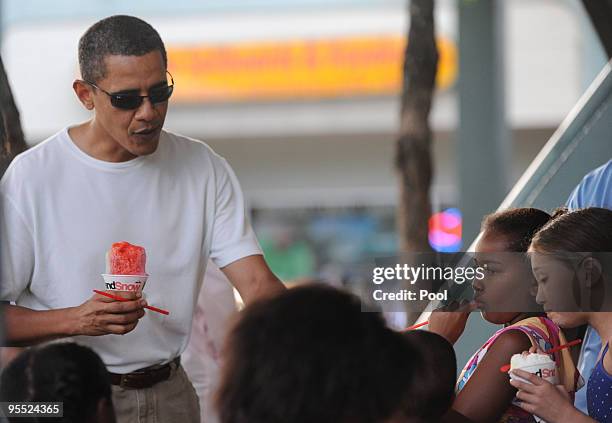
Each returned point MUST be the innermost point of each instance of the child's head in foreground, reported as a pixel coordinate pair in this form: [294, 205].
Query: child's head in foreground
[311, 354]
[61, 372]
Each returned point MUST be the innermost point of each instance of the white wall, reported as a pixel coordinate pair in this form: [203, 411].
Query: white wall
[337, 171]
[543, 65]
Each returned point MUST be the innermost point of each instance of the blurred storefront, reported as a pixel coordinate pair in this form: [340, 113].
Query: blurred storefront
[302, 99]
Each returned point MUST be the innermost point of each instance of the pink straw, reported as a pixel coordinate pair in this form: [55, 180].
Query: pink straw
[506, 367]
[115, 297]
[418, 325]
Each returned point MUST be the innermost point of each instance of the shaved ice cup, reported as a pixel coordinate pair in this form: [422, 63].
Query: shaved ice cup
[124, 284]
[547, 370]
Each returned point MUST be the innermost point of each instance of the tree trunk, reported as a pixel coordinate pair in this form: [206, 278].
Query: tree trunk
[11, 134]
[413, 154]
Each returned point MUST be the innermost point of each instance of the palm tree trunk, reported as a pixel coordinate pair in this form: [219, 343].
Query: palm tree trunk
[413, 153]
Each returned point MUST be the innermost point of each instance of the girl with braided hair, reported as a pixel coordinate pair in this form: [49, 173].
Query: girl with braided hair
[60, 372]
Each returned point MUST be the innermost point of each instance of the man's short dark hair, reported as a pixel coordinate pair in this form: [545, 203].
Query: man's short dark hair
[116, 35]
[312, 355]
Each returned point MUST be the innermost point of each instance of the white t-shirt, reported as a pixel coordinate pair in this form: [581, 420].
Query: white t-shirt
[61, 209]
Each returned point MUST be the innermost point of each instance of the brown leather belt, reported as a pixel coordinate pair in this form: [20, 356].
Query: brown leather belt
[144, 378]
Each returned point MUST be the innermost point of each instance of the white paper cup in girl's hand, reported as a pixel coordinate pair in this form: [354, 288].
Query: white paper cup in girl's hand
[538, 364]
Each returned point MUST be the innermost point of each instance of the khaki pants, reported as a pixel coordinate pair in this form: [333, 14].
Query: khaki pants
[173, 400]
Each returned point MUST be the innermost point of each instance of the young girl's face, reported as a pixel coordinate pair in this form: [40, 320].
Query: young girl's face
[505, 292]
[556, 282]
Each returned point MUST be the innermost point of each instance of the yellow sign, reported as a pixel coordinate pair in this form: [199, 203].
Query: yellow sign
[310, 69]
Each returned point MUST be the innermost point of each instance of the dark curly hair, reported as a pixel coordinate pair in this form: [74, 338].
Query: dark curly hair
[312, 355]
[517, 225]
[116, 35]
[60, 372]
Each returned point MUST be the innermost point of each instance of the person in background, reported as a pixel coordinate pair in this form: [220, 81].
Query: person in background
[60, 372]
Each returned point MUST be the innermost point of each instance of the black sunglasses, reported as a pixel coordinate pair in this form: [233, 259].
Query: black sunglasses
[131, 101]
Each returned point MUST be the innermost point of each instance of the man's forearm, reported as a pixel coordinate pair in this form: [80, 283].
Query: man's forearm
[253, 279]
[28, 327]
[261, 288]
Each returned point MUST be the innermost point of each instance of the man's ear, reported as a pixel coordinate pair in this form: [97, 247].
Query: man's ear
[84, 92]
[591, 272]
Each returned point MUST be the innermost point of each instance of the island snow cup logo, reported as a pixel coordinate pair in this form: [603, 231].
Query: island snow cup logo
[124, 283]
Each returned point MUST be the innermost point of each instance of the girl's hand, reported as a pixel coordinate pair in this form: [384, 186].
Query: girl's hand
[533, 350]
[540, 397]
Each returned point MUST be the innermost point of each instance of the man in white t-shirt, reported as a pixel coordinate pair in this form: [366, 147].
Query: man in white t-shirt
[121, 177]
